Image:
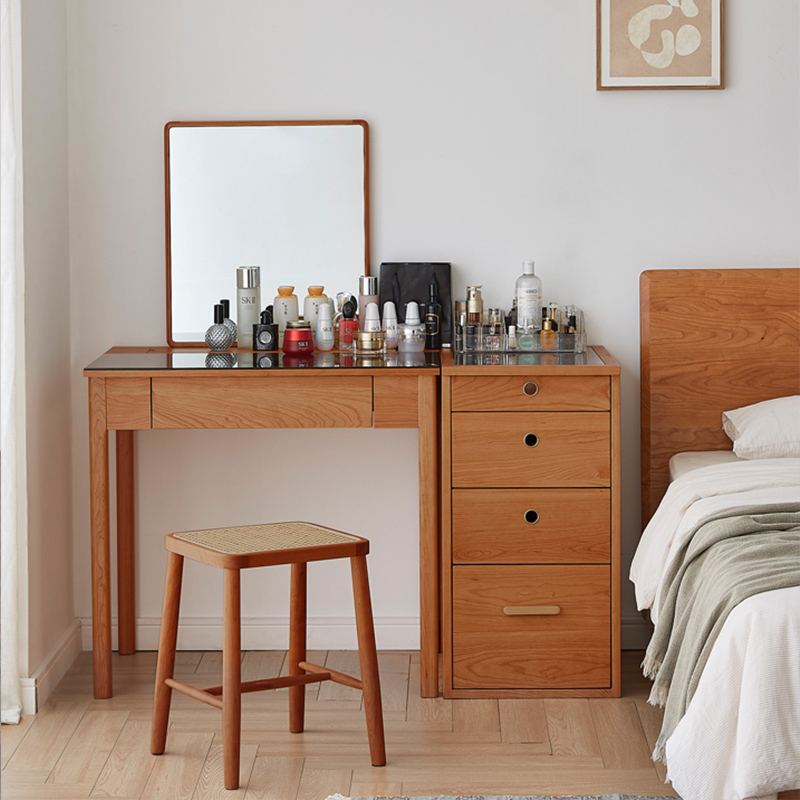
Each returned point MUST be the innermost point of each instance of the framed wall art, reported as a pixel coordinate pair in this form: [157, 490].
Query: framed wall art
[659, 44]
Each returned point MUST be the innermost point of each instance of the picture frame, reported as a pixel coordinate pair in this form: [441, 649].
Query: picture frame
[688, 56]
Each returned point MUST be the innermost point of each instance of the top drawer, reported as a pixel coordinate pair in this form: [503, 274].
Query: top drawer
[268, 402]
[530, 393]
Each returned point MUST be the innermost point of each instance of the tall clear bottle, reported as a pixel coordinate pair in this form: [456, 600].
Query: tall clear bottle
[528, 296]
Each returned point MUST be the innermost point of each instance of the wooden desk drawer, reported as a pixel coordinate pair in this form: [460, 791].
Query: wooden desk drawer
[517, 450]
[269, 402]
[531, 526]
[531, 393]
[495, 649]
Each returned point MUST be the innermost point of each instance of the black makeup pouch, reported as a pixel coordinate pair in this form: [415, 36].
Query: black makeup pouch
[404, 281]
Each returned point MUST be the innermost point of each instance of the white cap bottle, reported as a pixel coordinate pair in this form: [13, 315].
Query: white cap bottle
[528, 296]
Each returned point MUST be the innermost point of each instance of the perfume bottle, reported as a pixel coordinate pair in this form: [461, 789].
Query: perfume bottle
[324, 328]
[266, 335]
[347, 325]
[285, 307]
[433, 317]
[248, 303]
[219, 336]
[227, 321]
[548, 337]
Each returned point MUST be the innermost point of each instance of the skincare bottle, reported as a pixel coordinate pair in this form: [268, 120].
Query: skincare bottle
[548, 337]
[528, 297]
[227, 321]
[248, 304]
[474, 306]
[411, 335]
[312, 303]
[367, 293]
[324, 328]
[347, 324]
[390, 324]
[266, 334]
[433, 317]
[285, 307]
[219, 336]
[372, 318]
[512, 337]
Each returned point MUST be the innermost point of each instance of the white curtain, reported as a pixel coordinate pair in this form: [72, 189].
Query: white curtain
[13, 502]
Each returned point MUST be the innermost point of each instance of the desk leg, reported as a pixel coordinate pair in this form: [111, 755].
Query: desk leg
[126, 551]
[428, 419]
[101, 560]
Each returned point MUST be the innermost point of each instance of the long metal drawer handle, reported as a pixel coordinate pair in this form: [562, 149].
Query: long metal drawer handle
[531, 611]
[531, 516]
[531, 388]
[531, 439]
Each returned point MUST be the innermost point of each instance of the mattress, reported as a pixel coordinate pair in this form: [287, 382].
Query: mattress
[745, 712]
[682, 463]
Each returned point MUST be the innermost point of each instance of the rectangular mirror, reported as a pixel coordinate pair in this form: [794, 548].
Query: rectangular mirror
[290, 197]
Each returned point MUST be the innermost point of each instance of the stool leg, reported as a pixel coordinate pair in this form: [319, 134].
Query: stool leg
[231, 678]
[297, 646]
[368, 658]
[168, 638]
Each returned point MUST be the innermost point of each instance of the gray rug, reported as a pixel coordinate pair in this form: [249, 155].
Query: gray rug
[507, 797]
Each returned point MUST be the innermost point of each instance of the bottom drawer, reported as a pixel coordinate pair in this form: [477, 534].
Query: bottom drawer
[521, 627]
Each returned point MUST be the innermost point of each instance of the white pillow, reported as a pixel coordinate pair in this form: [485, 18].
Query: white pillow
[765, 430]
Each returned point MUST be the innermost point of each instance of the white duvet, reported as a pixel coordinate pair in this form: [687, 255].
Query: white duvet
[740, 737]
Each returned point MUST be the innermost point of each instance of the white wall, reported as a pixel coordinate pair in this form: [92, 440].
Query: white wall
[489, 145]
[47, 325]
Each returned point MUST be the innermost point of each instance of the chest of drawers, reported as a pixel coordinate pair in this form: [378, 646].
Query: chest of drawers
[530, 521]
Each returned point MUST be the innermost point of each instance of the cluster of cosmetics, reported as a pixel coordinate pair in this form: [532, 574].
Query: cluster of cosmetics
[530, 325]
[349, 324]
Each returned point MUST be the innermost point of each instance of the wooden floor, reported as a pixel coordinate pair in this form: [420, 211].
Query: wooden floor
[77, 748]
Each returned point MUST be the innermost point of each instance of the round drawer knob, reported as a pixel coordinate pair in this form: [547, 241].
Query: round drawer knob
[531, 516]
[531, 439]
[530, 388]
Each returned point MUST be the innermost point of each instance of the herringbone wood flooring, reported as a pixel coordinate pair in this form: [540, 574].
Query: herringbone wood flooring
[78, 748]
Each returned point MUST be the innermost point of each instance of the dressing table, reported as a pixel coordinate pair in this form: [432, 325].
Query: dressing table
[136, 389]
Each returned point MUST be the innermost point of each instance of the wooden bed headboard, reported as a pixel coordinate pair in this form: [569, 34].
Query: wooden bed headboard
[711, 340]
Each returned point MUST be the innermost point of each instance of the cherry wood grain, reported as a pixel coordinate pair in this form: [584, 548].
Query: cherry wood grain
[126, 544]
[568, 650]
[711, 341]
[571, 526]
[543, 393]
[396, 401]
[280, 402]
[490, 449]
[101, 538]
[128, 404]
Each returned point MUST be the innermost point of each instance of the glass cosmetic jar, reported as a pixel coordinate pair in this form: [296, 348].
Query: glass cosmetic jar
[297, 338]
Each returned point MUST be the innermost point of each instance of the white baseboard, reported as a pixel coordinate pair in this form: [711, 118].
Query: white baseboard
[37, 689]
[324, 633]
[269, 633]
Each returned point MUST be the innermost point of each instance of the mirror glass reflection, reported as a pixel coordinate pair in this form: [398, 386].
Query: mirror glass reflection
[290, 197]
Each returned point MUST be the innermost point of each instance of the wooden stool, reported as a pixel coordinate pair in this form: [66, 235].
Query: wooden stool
[234, 549]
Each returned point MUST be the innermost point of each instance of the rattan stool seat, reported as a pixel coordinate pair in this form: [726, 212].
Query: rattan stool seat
[268, 544]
